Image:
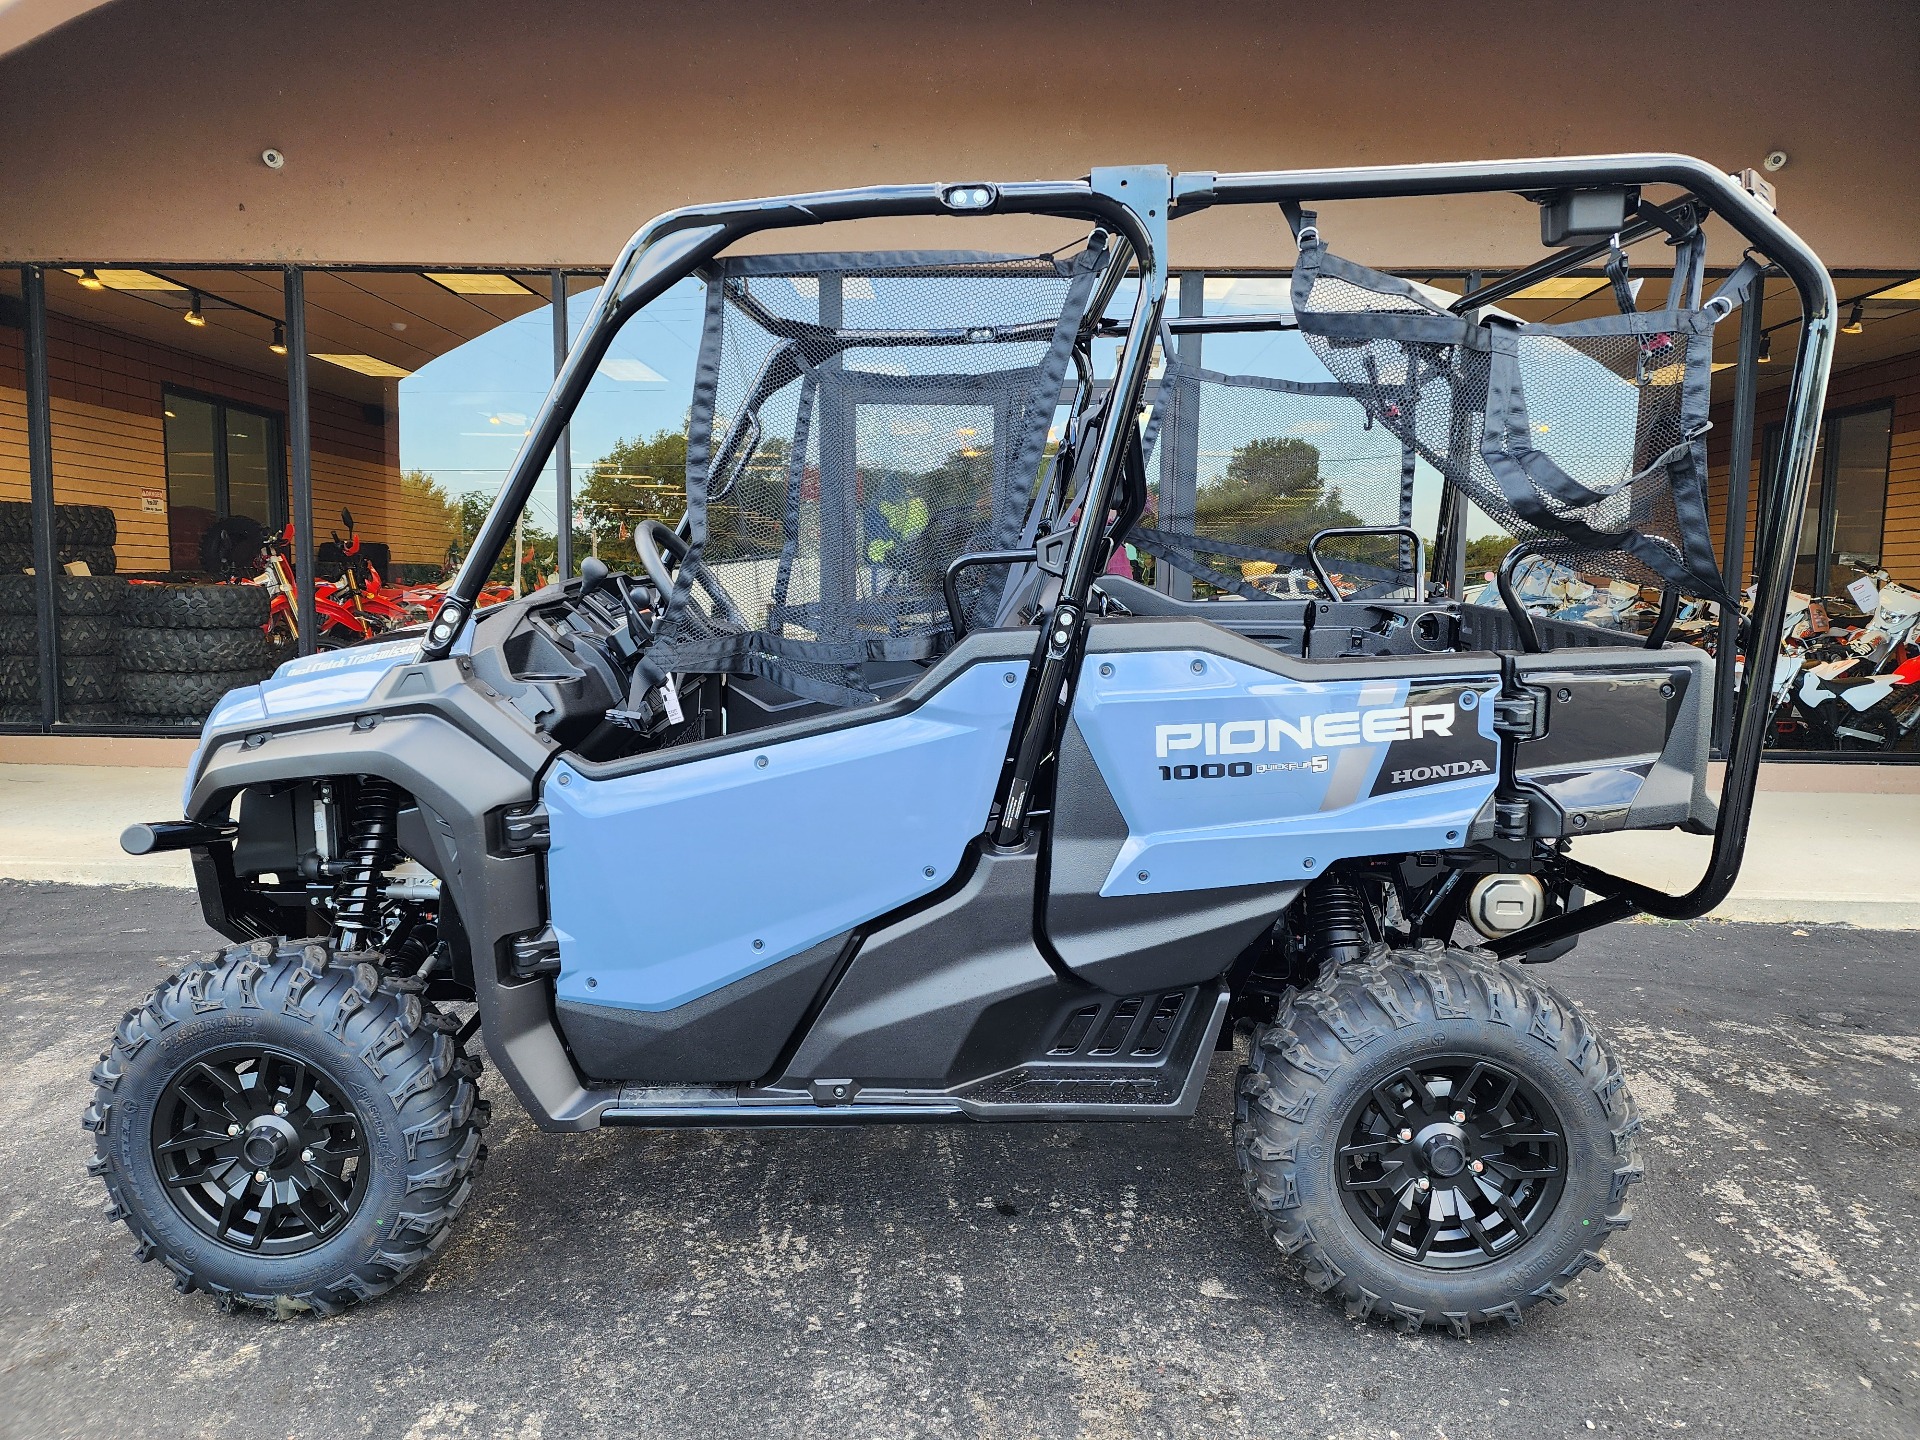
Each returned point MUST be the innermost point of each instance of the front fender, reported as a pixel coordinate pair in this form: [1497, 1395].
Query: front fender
[460, 785]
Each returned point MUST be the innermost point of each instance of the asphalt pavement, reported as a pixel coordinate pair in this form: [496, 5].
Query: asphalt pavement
[1045, 1281]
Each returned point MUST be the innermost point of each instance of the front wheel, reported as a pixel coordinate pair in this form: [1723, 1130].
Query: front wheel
[285, 1128]
[1437, 1137]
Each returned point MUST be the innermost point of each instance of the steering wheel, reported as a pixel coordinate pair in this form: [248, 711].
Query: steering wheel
[662, 552]
[656, 546]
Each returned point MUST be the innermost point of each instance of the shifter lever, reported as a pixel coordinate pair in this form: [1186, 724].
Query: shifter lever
[593, 573]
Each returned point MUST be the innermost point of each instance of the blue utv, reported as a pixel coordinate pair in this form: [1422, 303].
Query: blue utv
[878, 789]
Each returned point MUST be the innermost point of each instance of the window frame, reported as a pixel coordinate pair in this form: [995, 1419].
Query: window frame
[1827, 478]
[277, 497]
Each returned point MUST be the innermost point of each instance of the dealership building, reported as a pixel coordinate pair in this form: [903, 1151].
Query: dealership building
[279, 264]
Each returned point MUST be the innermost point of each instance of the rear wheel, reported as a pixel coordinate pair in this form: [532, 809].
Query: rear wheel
[282, 1128]
[1436, 1137]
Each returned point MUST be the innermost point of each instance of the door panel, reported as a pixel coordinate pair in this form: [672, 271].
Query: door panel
[1227, 773]
[668, 884]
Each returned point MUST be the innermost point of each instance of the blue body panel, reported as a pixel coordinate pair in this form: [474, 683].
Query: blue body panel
[331, 680]
[1287, 775]
[668, 884]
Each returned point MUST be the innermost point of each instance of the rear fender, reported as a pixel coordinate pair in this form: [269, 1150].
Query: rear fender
[460, 786]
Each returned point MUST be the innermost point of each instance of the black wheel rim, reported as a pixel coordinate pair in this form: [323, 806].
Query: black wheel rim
[260, 1150]
[1451, 1163]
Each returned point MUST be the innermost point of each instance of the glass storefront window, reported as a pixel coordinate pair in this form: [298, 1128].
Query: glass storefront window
[423, 386]
[167, 392]
[19, 634]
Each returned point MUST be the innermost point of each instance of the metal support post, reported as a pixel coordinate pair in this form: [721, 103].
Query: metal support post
[1733, 561]
[562, 448]
[300, 443]
[40, 490]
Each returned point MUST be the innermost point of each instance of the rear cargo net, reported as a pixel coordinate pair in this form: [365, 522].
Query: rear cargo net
[1586, 436]
[1591, 433]
[858, 422]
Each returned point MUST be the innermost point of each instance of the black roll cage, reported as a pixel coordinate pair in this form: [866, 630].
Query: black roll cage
[1136, 204]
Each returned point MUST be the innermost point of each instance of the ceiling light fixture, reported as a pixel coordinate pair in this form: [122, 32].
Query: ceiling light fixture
[470, 284]
[1566, 287]
[193, 316]
[91, 281]
[127, 279]
[1854, 316]
[365, 365]
[278, 345]
[1765, 357]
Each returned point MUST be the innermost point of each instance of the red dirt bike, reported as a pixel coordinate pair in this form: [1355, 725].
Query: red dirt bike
[347, 611]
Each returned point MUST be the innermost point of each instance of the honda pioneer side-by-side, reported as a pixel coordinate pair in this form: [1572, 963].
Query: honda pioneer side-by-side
[881, 786]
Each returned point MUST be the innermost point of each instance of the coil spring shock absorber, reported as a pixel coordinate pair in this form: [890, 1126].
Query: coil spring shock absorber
[1336, 921]
[370, 849]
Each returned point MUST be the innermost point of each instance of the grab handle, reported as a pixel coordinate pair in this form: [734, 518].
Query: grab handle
[950, 582]
[1326, 580]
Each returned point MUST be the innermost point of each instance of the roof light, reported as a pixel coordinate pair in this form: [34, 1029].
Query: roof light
[91, 281]
[278, 345]
[967, 197]
[1765, 357]
[470, 284]
[193, 315]
[1853, 325]
[365, 365]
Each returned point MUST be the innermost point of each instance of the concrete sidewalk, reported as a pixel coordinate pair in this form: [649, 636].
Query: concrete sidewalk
[1815, 854]
[63, 822]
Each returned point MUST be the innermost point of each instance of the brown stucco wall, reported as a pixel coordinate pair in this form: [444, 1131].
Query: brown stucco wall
[532, 134]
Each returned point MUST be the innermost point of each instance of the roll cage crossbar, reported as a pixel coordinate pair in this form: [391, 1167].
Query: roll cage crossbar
[1135, 204]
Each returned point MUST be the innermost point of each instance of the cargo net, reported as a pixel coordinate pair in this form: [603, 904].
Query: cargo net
[858, 422]
[1244, 470]
[1589, 434]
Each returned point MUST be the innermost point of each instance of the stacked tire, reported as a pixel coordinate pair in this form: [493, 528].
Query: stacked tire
[84, 533]
[182, 647]
[88, 610]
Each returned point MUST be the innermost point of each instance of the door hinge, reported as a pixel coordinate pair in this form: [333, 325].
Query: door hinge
[536, 953]
[525, 829]
[1520, 717]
